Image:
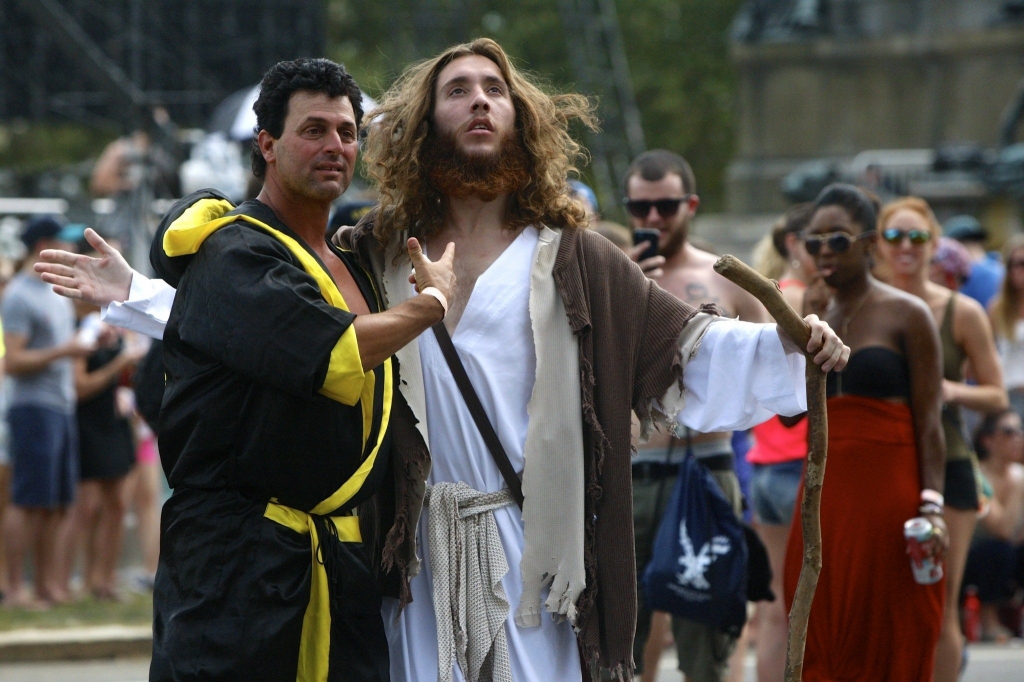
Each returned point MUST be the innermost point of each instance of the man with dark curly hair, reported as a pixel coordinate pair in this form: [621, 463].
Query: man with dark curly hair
[276, 414]
[561, 338]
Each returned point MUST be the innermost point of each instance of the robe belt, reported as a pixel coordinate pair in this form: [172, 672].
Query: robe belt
[468, 562]
[315, 643]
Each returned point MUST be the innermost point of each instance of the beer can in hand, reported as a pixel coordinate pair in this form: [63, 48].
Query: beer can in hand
[918, 532]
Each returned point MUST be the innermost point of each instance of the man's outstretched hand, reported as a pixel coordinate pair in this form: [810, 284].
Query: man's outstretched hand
[830, 351]
[100, 281]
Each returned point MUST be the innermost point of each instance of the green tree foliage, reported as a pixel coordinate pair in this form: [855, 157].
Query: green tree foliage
[677, 52]
[34, 146]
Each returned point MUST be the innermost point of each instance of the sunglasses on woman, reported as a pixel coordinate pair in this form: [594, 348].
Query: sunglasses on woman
[895, 236]
[666, 208]
[839, 242]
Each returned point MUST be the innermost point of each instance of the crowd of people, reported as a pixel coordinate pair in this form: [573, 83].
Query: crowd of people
[903, 386]
[266, 443]
[948, 377]
[77, 456]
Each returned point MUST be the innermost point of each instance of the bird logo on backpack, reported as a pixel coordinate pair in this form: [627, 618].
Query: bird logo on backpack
[698, 567]
[695, 564]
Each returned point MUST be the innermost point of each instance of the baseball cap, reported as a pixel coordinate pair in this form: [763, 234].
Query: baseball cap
[584, 190]
[953, 258]
[72, 234]
[37, 229]
[965, 228]
[349, 213]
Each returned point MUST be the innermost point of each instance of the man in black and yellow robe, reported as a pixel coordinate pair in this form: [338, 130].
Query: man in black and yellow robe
[275, 424]
[271, 434]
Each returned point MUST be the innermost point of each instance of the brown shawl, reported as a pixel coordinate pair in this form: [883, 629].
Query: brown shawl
[628, 330]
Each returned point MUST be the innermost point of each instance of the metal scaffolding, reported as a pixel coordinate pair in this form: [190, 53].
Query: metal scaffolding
[106, 61]
[594, 43]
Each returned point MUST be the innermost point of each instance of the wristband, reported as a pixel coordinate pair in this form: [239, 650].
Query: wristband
[933, 496]
[436, 293]
[929, 509]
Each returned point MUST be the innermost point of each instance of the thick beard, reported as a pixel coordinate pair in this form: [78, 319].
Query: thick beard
[455, 174]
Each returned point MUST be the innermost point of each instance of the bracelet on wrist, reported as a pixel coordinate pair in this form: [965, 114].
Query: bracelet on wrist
[436, 293]
[933, 496]
[929, 509]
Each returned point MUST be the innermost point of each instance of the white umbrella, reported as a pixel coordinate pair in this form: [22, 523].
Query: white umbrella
[235, 118]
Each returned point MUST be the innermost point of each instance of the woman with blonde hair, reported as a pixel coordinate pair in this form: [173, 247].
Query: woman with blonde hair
[909, 237]
[1007, 314]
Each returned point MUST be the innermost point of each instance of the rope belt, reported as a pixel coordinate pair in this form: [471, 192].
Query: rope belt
[468, 562]
[315, 643]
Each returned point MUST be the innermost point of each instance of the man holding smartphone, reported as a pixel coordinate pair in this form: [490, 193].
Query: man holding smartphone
[661, 198]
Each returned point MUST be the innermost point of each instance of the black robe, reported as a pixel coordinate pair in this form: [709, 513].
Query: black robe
[270, 436]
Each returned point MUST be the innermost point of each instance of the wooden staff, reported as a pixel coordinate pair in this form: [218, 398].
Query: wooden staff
[769, 294]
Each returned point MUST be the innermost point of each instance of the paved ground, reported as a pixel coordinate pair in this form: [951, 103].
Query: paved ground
[988, 664]
[128, 670]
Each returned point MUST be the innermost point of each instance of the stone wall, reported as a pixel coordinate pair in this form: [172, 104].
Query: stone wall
[835, 97]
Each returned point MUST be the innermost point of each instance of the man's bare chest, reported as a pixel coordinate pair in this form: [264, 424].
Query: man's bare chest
[697, 288]
[347, 285]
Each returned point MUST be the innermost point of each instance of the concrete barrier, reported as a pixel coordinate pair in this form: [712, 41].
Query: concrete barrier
[66, 644]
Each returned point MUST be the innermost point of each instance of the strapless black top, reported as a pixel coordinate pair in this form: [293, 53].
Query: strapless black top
[872, 372]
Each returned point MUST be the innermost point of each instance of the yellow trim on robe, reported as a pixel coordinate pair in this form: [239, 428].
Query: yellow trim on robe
[345, 376]
[346, 382]
[186, 234]
[315, 642]
[348, 489]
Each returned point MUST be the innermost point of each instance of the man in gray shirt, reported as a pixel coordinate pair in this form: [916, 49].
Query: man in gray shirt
[39, 332]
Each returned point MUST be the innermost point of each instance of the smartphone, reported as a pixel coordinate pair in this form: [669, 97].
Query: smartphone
[649, 236]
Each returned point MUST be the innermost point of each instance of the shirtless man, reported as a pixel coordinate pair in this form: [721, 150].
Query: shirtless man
[661, 193]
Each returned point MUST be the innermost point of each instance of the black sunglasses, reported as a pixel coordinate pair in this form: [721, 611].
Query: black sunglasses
[666, 208]
[895, 236]
[840, 242]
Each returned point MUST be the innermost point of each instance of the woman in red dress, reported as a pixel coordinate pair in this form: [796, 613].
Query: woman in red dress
[870, 621]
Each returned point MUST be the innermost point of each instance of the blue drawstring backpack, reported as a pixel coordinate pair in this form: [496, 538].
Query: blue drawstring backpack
[698, 567]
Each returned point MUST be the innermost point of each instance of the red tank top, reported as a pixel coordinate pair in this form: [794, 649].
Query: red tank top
[775, 443]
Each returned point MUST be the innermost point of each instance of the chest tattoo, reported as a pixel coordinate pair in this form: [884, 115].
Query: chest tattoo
[698, 293]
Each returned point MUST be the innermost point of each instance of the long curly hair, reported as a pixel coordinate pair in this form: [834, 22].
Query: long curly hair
[403, 121]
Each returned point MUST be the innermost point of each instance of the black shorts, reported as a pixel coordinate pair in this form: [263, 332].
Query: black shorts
[961, 489]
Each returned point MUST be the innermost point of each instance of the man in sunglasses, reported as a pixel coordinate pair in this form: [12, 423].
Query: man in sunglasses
[661, 194]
